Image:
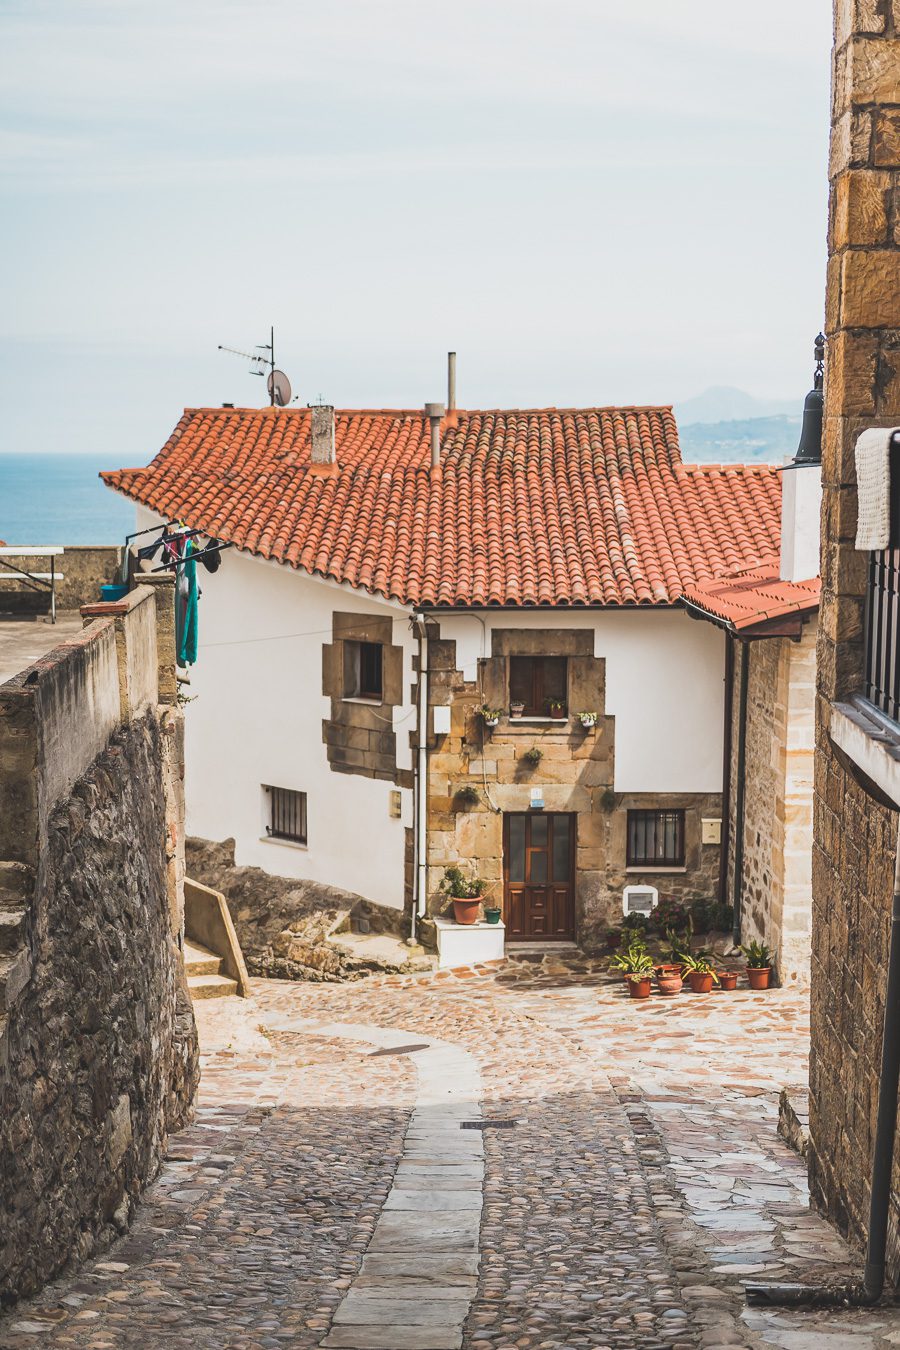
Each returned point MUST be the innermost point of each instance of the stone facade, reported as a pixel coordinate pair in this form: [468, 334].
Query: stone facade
[576, 774]
[359, 734]
[854, 836]
[776, 876]
[98, 1050]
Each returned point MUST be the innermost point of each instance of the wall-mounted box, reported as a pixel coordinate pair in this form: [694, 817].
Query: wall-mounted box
[710, 831]
[441, 716]
[395, 804]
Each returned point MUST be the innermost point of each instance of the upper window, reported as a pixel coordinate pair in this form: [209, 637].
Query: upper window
[364, 670]
[286, 814]
[656, 839]
[537, 682]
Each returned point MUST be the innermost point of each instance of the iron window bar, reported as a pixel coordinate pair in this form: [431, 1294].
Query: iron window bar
[655, 838]
[882, 613]
[287, 815]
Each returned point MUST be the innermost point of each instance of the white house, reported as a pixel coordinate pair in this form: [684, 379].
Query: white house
[530, 557]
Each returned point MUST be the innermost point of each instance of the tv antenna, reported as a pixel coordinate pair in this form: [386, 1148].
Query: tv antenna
[277, 383]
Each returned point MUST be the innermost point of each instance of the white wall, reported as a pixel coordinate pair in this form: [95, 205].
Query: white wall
[257, 719]
[664, 685]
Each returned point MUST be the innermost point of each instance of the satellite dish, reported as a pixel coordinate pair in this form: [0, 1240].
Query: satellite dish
[279, 387]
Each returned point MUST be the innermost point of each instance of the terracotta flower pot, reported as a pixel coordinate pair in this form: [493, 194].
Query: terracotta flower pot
[668, 980]
[700, 984]
[639, 986]
[612, 941]
[728, 980]
[466, 911]
[759, 976]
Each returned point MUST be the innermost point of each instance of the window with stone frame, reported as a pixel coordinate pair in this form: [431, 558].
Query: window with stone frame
[364, 670]
[538, 681]
[655, 839]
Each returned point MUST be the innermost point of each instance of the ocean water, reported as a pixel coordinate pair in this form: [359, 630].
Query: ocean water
[58, 499]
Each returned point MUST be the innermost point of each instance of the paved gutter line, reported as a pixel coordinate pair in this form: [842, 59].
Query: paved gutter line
[419, 1274]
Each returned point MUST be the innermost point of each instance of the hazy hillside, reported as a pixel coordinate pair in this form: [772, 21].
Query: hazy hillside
[751, 440]
[724, 403]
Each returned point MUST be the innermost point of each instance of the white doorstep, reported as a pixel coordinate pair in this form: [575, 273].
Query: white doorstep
[465, 944]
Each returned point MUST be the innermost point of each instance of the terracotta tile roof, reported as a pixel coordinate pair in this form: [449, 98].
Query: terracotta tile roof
[539, 507]
[753, 596]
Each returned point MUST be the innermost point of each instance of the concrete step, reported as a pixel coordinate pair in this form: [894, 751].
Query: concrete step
[199, 960]
[12, 929]
[211, 986]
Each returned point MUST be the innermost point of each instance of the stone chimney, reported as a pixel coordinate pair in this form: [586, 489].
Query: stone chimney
[322, 433]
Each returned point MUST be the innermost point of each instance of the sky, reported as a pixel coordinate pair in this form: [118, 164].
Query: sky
[591, 202]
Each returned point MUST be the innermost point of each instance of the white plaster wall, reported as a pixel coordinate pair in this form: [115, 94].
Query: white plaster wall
[257, 719]
[664, 686]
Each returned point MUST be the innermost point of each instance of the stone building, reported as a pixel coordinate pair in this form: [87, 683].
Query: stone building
[395, 574]
[857, 789]
[98, 1050]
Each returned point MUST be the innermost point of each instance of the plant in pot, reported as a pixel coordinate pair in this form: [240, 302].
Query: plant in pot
[533, 757]
[489, 716]
[728, 980]
[640, 977]
[613, 937]
[492, 913]
[630, 958]
[759, 964]
[701, 973]
[670, 971]
[465, 892]
[556, 707]
[467, 795]
[516, 710]
[669, 916]
[587, 719]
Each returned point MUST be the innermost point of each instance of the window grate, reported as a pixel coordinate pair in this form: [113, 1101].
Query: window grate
[287, 814]
[655, 839]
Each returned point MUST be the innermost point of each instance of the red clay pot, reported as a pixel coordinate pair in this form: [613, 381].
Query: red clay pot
[700, 984]
[668, 980]
[759, 976]
[728, 980]
[612, 941]
[640, 988]
[466, 911]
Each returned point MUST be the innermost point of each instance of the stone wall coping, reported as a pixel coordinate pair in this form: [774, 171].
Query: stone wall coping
[102, 608]
[27, 679]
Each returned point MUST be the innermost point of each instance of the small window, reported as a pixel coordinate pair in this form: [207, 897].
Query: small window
[286, 818]
[656, 839]
[363, 670]
[538, 681]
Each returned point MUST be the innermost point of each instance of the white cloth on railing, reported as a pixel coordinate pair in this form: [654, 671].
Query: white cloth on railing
[873, 488]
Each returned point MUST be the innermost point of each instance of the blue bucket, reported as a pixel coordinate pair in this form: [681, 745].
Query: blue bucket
[111, 592]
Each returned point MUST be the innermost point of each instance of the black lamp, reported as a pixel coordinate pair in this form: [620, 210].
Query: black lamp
[809, 451]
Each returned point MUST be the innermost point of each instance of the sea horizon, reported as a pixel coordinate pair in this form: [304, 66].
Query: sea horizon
[58, 498]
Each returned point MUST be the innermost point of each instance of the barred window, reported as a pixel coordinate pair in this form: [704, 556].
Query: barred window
[286, 814]
[655, 839]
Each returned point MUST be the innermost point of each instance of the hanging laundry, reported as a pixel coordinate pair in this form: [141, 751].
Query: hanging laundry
[186, 596]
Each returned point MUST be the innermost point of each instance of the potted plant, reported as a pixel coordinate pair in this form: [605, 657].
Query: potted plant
[640, 977]
[556, 707]
[516, 710]
[668, 980]
[587, 719]
[632, 959]
[613, 938]
[465, 892]
[728, 980]
[701, 973]
[492, 913]
[759, 964]
[533, 757]
[490, 716]
[468, 794]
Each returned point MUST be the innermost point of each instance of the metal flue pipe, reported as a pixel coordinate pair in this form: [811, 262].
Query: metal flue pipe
[451, 381]
[434, 412]
[871, 1287]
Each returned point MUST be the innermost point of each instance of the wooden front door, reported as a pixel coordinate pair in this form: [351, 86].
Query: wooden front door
[539, 876]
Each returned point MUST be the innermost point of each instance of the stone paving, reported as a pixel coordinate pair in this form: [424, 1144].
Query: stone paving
[627, 1180]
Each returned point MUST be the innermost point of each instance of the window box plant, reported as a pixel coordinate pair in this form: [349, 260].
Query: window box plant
[587, 719]
[468, 794]
[465, 892]
[701, 973]
[490, 716]
[557, 709]
[533, 757]
[759, 964]
[516, 710]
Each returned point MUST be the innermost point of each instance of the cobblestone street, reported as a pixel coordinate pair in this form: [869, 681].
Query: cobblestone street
[618, 1177]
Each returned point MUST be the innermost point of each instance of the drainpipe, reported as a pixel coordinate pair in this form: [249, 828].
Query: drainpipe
[738, 879]
[869, 1291]
[726, 770]
[420, 888]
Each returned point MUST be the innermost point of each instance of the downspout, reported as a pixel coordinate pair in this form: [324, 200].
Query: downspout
[725, 839]
[738, 878]
[420, 888]
[869, 1291]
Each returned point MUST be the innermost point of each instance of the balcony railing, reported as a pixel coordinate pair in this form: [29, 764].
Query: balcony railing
[882, 659]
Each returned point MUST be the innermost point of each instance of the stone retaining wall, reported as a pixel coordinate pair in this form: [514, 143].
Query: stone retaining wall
[84, 568]
[98, 1052]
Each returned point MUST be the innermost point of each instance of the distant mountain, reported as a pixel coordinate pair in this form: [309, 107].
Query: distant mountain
[751, 440]
[722, 403]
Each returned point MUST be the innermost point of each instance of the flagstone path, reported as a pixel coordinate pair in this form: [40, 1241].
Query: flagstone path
[333, 1192]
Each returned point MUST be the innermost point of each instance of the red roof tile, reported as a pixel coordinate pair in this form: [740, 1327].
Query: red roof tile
[753, 596]
[540, 507]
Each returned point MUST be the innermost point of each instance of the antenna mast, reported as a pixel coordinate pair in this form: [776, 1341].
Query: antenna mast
[277, 383]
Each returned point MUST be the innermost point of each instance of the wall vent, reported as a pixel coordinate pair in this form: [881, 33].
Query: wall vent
[639, 900]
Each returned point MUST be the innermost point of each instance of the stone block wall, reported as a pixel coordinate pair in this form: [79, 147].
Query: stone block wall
[576, 774]
[98, 1052]
[84, 569]
[854, 836]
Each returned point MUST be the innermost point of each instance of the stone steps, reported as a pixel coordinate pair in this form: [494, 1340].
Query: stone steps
[204, 973]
